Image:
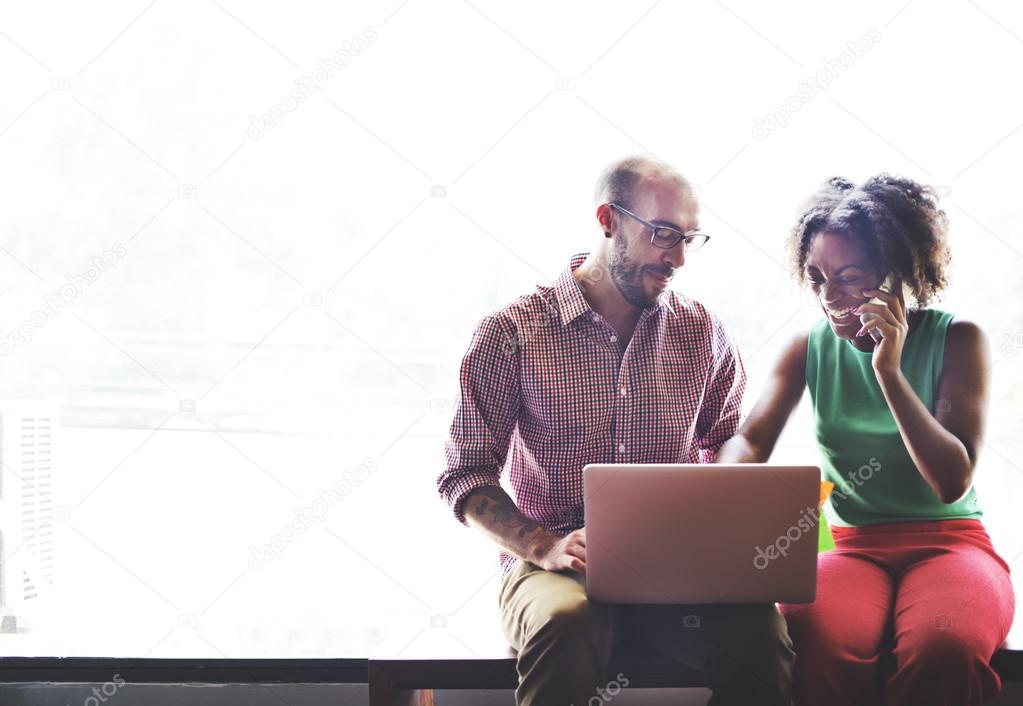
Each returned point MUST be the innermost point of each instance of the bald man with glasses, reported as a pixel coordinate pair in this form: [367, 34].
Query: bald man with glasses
[604, 365]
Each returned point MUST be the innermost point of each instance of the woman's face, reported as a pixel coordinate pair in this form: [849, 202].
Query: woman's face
[838, 269]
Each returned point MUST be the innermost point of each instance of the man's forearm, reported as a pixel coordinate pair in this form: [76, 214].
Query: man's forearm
[493, 511]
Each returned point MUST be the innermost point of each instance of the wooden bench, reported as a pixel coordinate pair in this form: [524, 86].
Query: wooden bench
[410, 681]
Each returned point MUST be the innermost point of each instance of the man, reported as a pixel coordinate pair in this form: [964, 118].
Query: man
[606, 365]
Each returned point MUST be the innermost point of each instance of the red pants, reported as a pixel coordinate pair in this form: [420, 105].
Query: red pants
[912, 611]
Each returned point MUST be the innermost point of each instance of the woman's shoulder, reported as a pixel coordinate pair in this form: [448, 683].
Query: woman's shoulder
[959, 331]
[965, 340]
[964, 343]
[792, 356]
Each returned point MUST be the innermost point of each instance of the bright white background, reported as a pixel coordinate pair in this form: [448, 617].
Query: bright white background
[292, 304]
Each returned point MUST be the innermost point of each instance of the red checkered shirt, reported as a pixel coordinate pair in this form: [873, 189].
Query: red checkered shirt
[545, 388]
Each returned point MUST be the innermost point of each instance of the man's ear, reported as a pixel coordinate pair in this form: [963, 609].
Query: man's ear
[604, 219]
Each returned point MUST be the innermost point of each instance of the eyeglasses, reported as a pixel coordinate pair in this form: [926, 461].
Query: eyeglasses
[665, 237]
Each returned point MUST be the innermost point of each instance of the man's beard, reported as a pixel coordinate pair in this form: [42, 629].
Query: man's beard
[627, 276]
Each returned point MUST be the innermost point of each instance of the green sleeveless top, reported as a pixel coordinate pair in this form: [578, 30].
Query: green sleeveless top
[862, 451]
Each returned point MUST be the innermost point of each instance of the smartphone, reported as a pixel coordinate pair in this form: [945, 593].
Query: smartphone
[887, 286]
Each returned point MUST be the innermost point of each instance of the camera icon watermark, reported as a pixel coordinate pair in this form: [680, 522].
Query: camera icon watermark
[312, 299]
[186, 407]
[62, 513]
[438, 191]
[187, 191]
[565, 83]
[60, 83]
[943, 622]
[595, 274]
[438, 621]
[440, 405]
[188, 621]
[691, 621]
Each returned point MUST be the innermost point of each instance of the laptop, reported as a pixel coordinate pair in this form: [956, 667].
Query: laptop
[706, 533]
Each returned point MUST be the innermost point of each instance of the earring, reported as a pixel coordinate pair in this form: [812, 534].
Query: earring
[607, 234]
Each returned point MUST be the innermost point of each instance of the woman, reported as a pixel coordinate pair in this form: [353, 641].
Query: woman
[913, 601]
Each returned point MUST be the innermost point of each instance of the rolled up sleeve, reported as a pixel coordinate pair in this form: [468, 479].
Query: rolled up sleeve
[721, 410]
[485, 414]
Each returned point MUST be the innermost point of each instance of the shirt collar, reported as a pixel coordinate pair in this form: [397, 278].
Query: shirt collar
[571, 302]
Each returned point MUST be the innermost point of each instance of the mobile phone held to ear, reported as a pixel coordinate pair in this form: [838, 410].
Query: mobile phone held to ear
[887, 286]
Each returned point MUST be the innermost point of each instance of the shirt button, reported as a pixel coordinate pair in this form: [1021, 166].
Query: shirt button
[621, 448]
[596, 317]
[614, 338]
[624, 391]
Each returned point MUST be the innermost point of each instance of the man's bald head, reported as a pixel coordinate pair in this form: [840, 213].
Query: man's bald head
[620, 179]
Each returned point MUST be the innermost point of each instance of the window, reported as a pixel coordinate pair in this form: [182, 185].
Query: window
[244, 248]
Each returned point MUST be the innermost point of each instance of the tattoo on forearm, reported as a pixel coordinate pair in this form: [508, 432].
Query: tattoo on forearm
[496, 504]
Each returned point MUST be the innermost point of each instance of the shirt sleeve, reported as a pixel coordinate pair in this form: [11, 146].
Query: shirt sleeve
[485, 415]
[721, 411]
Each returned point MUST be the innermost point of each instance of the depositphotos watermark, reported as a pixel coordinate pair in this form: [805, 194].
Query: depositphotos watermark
[608, 691]
[60, 299]
[808, 518]
[806, 523]
[527, 329]
[533, 325]
[861, 475]
[101, 694]
[814, 84]
[325, 70]
[309, 515]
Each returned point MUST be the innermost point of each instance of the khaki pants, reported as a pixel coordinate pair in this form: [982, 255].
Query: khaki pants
[564, 642]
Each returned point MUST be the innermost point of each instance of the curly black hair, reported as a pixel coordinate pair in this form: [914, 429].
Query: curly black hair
[895, 220]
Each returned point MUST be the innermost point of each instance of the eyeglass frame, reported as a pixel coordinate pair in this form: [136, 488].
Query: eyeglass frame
[686, 237]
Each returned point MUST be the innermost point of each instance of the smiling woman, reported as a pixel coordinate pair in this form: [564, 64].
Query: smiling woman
[914, 399]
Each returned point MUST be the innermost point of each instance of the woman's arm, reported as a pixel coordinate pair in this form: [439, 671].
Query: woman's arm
[755, 440]
[943, 445]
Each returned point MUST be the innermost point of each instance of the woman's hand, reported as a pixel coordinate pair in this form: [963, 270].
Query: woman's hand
[889, 319]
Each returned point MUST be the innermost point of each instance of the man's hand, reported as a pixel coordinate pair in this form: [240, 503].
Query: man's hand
[491, 510]
[568, 552]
